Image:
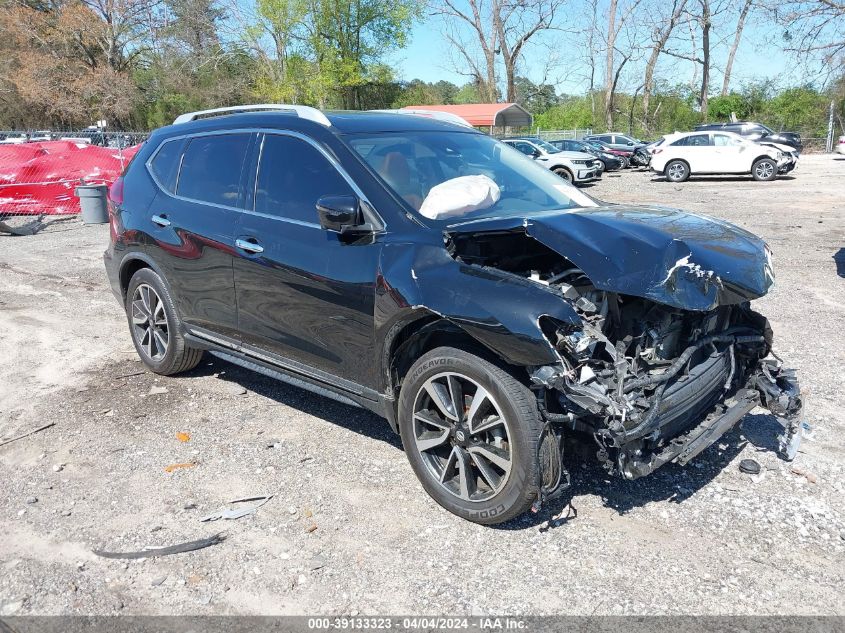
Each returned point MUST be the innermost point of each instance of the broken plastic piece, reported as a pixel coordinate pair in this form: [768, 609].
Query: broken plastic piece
[749, 467]
[190, 546]
[183, 437]
[239, 512]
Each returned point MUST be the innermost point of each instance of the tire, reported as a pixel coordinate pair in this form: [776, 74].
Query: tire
[625, 162]
[493, 491]
[676, 171]
[564, 173]
[155, 326]
[764, 169]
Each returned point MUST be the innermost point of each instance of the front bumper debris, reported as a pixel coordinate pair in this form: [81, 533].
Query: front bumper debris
[635, 455]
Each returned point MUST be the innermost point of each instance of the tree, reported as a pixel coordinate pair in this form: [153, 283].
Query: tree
[535, 98]
[814, 30]
[495, 27]
[618, 16]
[740, 25]
[661, 32]
[322, 50]
[57, 64]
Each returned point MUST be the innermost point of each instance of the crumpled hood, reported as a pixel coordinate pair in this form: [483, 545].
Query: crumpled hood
[665, 255]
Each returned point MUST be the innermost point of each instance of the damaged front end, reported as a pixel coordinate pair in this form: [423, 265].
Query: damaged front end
[653, 384]
[665, 354]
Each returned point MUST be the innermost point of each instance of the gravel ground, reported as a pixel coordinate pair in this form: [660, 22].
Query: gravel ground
[349, 529]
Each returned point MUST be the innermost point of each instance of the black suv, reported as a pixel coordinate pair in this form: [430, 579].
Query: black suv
[756, 132]
[432, 274]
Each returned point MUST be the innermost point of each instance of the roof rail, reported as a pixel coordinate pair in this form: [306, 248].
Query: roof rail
[303, 112]
[448, 117]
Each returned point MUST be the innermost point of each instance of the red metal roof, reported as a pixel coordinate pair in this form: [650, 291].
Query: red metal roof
[484, 114]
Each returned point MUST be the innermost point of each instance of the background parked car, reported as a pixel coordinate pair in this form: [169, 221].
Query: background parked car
[692, 153]
[609, 160]
[641, 157]
[840, 145]
[755, 132]
[624, 155]
[576, 167]
[616, 140]
[14, 139]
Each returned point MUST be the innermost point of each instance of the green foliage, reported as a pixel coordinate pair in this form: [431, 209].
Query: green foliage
[720, 108]
[535, 97]
[573, 112]
[802, 109]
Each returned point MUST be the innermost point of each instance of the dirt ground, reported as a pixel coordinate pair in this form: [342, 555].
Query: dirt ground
[349, 530]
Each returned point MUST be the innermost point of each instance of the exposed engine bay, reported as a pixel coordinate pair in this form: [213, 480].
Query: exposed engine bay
[648, 382]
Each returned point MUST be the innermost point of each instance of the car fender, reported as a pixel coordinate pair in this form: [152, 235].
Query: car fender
[501, 311]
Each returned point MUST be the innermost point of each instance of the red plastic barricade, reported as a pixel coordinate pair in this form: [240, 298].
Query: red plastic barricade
[39, 178]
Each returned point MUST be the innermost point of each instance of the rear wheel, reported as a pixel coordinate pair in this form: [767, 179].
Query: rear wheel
[677, 171]
[155, 326]
[470, 431]
[764, 169]
[625, 162]
[564, 173]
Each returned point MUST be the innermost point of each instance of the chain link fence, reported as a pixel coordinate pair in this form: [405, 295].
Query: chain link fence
[563, 135]
[39, 171]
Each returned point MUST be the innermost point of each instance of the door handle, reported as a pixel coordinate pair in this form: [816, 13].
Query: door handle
[161, 220]
[249, 246]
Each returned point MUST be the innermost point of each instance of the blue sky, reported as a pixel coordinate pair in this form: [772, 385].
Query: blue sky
[427, 58]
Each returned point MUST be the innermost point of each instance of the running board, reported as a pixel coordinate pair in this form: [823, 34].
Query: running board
[284, 377]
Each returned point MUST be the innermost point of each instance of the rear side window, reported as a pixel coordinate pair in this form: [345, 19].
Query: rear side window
[292, 176]
[165, 164]
[211, 168]
[698, 140]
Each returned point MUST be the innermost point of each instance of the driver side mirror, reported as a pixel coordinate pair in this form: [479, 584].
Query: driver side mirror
[340, 214]
[536, 153]
[631, 143]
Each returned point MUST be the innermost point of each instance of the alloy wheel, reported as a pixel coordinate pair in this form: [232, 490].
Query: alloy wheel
[676, 171]
[149, 322]
[462, 436]
[764, 170]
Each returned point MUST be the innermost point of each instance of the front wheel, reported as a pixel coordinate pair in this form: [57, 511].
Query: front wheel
[564, 173]
[764, 169]
[470, 431]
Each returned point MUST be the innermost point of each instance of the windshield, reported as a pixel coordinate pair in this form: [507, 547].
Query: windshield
[551, 149]
[412, 163]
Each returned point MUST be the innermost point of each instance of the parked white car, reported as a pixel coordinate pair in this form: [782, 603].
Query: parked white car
[14, 140]
[682, 155]
[576, 167]
[840, 145]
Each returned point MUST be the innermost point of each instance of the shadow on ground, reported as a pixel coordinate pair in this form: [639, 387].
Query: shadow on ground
[670, 483]
[351, 418]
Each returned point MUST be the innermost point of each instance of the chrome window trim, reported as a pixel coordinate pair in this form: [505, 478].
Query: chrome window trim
[264, 132]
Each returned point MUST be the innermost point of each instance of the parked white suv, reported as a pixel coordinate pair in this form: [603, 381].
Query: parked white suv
[684, 154]
[576, 167]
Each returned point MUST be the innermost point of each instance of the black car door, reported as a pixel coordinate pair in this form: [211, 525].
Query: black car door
[305, 296]
[193, 222]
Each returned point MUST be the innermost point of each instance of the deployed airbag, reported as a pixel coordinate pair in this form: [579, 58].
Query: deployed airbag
[459, 196]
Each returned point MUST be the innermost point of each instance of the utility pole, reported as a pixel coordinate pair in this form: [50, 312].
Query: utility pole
[829, 145]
